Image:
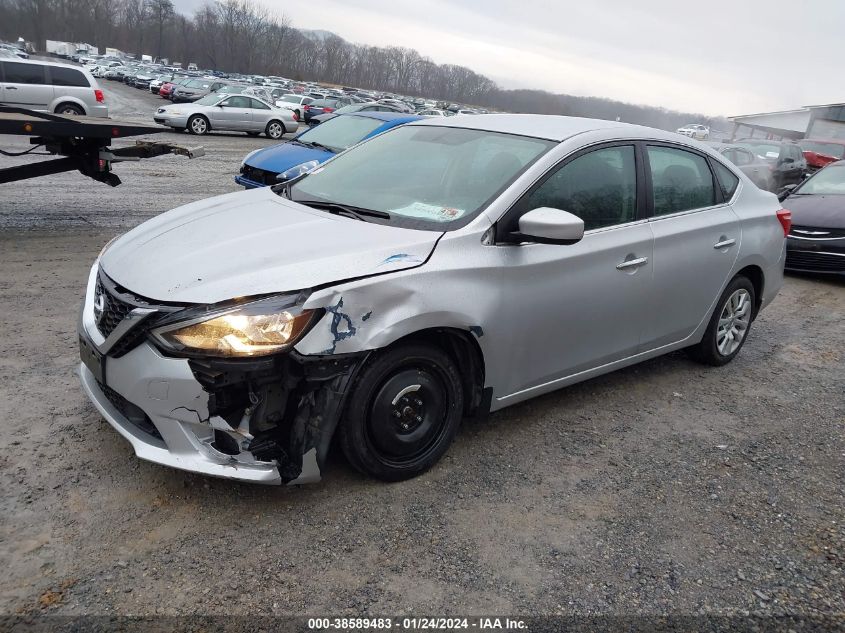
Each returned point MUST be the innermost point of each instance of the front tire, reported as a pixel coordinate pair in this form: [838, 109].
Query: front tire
[729, 325]
[275, 130]
[404, 410]
[198, 125]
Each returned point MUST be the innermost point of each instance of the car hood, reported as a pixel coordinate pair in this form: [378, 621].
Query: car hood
[824, 211]
[278, 158]
[253, 243]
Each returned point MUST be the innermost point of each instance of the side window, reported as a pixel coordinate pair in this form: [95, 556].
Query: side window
[237, 102]
[743, 157]
[728, 181]
[258, 105]
[67, 77]
[599, 187]
[680, 180]
[24, 73]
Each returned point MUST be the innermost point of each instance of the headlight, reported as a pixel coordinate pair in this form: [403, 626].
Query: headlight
[253, 329]
[296, 172]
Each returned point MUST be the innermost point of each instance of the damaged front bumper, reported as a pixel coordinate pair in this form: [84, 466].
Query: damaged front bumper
[265, 420]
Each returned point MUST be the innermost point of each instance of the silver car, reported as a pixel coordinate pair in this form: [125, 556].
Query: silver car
[238, 113]
[51, 87]
[446, 268]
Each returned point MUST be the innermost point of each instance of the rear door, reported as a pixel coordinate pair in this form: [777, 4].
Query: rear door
[25, 85]
[696, 242]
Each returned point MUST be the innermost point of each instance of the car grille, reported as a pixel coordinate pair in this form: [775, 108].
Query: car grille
[134, 414]
[259, 175]
[117, 304]
[827, 232]
[811, 260]
[115, 309]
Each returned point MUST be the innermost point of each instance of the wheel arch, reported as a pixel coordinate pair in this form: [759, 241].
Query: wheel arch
[758, 279]
[68, 100]
[463, 347]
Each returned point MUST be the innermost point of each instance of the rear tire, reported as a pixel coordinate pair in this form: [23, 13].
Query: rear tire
[69, 108]
[198, 125]
[404, 410]
[275, 130]
[729, 325]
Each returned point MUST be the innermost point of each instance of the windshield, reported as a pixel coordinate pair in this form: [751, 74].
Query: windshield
[291, 98]
[341, 132]
[426, 177]
[820, 147]
[208, 100]
[197, 83]
[828, 181]
[231, 89]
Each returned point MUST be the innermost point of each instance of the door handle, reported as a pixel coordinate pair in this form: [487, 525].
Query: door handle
[724, 244]
[632, 263]
[11, 87]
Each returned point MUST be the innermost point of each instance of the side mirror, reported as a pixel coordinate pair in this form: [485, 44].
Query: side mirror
[550, 226]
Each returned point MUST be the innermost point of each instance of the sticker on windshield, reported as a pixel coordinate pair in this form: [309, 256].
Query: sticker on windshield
[430, 212]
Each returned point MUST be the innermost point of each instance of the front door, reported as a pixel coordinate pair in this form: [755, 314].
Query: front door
[232, 114]
[576, 307]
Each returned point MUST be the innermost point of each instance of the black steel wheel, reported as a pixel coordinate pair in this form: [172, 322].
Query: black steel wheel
[403, 412]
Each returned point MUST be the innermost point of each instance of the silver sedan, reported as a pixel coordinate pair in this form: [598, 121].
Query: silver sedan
[236, 113]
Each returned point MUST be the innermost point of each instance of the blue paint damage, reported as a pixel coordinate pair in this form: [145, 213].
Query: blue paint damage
[341, 327]
[402, 257]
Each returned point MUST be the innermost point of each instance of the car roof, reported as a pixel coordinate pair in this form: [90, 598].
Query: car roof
[44, 62]
[550, 127]
[385, 116]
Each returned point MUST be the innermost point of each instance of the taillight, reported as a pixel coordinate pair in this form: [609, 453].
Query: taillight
[295, 116]
[306, 107]
[328, 109]
[98, 95]
[785, 219]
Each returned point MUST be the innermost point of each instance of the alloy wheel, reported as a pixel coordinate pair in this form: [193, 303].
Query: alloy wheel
[733, 322]
[198, 125]
[275, 131]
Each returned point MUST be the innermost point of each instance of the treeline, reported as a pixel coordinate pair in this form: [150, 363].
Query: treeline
[243, 36]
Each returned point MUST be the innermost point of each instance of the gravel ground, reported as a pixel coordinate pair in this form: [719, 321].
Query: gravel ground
[663, 488]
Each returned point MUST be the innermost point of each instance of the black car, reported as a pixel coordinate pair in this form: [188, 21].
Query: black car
[785, 158]
[323, 106]
[816, 241]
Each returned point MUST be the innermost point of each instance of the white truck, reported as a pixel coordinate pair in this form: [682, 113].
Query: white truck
[60, 49]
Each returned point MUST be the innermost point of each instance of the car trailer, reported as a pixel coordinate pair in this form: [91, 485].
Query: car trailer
[82, 141]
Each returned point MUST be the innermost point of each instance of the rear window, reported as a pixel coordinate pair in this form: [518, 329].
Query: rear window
[728, 181]
[16, 73]
[68, 77]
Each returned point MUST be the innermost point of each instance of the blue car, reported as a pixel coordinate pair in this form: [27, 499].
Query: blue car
[317, 145]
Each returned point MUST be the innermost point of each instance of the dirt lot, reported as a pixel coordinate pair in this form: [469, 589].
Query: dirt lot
[664, 488]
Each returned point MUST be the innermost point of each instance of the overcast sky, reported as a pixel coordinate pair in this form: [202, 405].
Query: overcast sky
[716, 57]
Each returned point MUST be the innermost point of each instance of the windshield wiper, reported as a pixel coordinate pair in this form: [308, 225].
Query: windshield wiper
[344, 209]
[318, 145]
